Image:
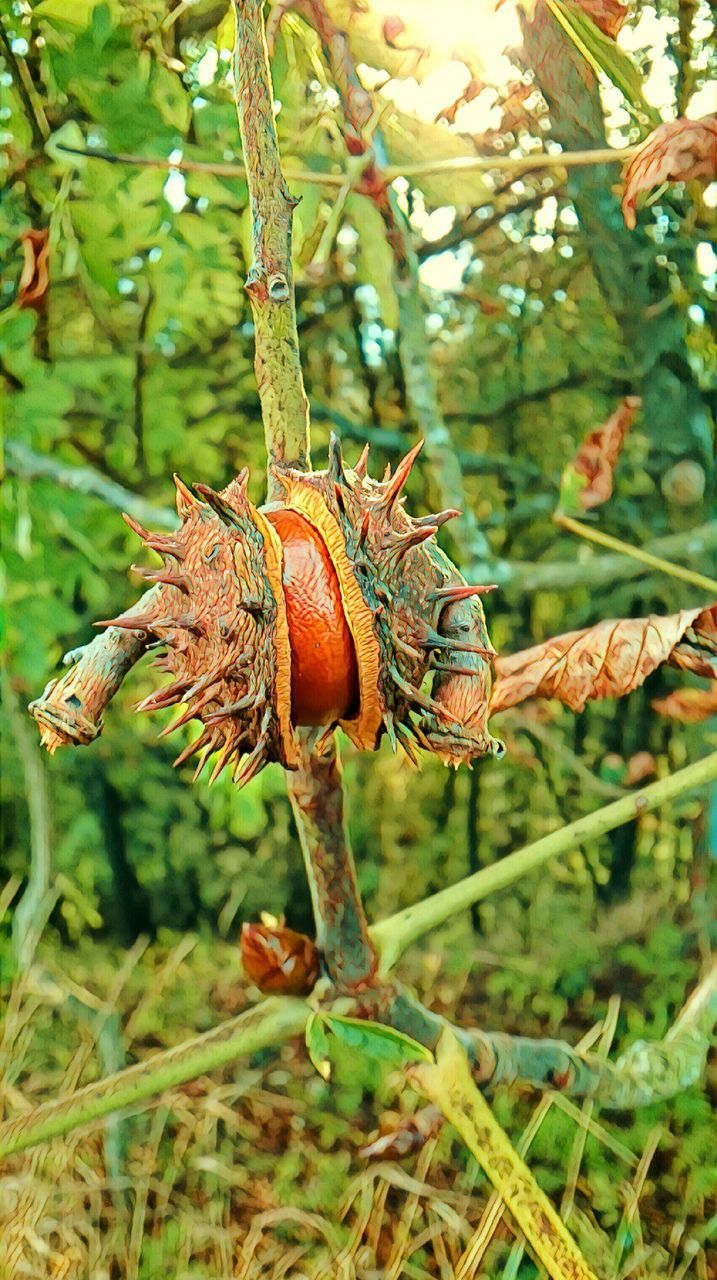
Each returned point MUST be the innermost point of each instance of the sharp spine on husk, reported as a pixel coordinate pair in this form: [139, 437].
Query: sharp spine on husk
[361, 467]
[167, 576]
[401, 474]
[460, 592]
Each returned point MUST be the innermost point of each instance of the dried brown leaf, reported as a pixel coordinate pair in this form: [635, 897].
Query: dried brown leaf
[587, 480]
[608, 15]
[697, 650]
[607, 660]
[688, 705]
[279, 960]
[35, 276]
[674, 152]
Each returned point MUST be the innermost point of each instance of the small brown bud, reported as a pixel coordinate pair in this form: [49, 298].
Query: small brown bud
[279, 960]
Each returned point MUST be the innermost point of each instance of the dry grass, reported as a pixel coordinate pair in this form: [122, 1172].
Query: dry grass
[255, 1173]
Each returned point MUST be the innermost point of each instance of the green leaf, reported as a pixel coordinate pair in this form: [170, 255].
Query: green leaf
[76, 14]
[371, 1039]
[317, 1044]
[374, 1040]
[374, 258]
[572, 483]
[68, 135]
[408, 139]
[227, 30]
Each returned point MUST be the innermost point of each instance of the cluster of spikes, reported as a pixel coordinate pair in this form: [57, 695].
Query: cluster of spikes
[221, 608]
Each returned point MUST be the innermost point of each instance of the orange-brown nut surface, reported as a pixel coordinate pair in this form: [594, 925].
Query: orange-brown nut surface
[324, 673]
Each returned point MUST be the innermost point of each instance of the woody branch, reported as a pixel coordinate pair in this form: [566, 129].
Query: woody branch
[316, 790]
[284, 406]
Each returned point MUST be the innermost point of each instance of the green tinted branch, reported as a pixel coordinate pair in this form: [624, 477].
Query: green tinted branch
[456, 164]
[394, 935]
[649, 1071]
[284, 406]
[269, 1023]
[317, 798]
[28, 465]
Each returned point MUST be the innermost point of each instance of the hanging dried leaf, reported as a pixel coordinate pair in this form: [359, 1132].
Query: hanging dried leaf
[35, 276]
[279, 960]
[608, 15]
[688, 705]
[674, 152]
[607, 660]
[587, 480]
[697, 650]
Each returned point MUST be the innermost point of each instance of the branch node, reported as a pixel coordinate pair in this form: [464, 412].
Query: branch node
[278, 287]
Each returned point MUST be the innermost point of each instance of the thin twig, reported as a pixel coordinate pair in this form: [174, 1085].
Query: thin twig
[264, 1025]
[565, 575]
[646, 1072]
[32, 910]
[28, 465]
[636, 553]
[456, 164]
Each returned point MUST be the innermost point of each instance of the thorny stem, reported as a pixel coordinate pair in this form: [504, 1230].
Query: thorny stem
[316, 792]
[284, 406]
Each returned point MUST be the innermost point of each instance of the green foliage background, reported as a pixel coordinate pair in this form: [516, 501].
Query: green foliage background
[142, 364]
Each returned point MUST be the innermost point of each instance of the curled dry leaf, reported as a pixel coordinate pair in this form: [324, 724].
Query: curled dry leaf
[279, 960]
[35, 276]
[608, 15]
[587, 480]
[607, 660]
[674, 152]
[688, 705]
[404, 1135]
[697, 650]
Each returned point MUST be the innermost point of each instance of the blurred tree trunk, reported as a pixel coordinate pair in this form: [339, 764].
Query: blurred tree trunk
[635, 288]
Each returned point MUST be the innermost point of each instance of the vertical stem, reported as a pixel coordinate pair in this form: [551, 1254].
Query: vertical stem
[317, 798]
[316, 790]
[284, 406]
